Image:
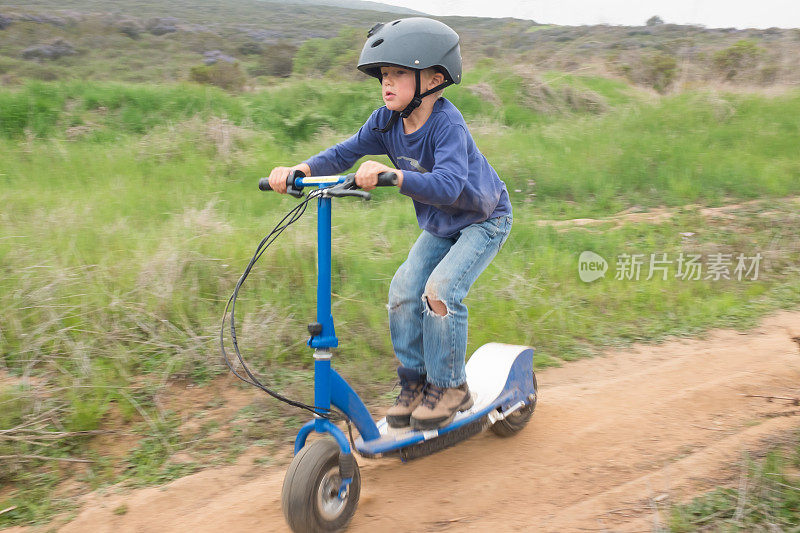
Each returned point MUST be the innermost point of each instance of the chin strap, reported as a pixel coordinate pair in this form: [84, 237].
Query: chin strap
[415, 103]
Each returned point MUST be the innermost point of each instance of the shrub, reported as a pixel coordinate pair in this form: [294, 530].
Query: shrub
[740, 56]
[250, 49]
[275, 61]
[320, 56]
[54, 50]
[769, 74]
[661, 71]
[216, 56]
[655, 20]
[131, 28]
[222, 74]
[161, 26]
[656, 70]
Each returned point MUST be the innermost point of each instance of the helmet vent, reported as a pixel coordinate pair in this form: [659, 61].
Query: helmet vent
[396, 22]
[376, 43]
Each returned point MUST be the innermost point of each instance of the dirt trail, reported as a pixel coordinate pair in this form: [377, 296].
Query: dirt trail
[659, 215]
[613, 440]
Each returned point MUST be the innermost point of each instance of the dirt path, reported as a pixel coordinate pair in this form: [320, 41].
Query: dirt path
[660, 214]
[613, 440]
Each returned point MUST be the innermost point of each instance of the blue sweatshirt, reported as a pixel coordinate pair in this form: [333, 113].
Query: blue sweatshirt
[450, 181]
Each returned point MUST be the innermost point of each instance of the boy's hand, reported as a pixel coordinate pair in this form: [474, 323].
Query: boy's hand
[278, 176]
[367, 174]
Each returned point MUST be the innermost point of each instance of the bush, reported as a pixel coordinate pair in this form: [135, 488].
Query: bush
[275, 61]
[660, 71]
[54, 50]
[161, 26]
[320, 56]
[216, 56]
[655, 20]
[221, 74]
[769, 74]
[131, 28]
[250, 49]
[656, 70]
[741, 56]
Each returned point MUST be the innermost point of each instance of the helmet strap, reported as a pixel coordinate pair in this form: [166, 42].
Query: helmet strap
[415, 102]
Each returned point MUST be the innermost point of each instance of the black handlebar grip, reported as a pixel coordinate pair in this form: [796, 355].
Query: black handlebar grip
[387, 179]
[263, 184]
[291, 190]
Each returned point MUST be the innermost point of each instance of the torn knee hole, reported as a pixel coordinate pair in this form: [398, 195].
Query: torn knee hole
[437, 307]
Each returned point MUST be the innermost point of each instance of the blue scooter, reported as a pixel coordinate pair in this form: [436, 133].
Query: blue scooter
[322, 485]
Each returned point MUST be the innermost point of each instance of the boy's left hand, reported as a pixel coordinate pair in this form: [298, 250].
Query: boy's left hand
[367, 174]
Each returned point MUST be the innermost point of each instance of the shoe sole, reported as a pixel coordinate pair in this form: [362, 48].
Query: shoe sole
[397, 422]
[438, 423]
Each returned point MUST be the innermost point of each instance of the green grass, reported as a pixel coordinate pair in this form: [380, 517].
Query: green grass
[120, 246]
[691, 148]
[291, 112]
[615, 92]
[767, 499]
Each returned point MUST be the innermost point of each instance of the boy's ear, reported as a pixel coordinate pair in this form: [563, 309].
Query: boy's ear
[436, 78]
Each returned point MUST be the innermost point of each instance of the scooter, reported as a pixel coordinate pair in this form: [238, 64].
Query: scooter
[322, 485]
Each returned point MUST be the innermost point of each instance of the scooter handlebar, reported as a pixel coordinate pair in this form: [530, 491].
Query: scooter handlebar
[385, 179]
[263, 184]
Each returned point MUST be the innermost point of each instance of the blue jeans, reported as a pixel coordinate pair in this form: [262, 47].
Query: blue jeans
[440, 269]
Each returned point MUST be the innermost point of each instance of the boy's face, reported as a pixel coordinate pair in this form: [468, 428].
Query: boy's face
[397, 87]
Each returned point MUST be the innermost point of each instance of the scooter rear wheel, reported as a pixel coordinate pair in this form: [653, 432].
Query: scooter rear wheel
[310, 497]
[513, 423]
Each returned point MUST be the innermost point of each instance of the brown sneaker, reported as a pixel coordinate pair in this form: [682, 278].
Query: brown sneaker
[439, 406]
[410, 396]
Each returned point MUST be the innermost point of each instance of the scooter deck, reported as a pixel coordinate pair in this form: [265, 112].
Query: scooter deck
[500, 378]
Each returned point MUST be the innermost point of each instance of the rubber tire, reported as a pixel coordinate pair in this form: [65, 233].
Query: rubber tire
[513, 423]
[300, 486]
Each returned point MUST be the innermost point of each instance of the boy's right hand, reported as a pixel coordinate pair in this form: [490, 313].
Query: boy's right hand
[279, 175]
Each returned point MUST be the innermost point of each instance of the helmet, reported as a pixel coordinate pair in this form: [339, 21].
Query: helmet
[416, 43]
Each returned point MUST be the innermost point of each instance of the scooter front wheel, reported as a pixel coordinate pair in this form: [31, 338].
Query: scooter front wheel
[311, 497]
[513, 423]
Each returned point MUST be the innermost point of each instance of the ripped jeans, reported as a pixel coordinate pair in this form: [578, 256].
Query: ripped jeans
[440, 269]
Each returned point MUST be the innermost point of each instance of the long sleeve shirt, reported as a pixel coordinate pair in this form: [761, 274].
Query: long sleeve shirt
[448, 178]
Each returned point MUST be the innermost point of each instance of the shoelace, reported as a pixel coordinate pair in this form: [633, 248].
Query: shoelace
[432, 395]
[407, 392]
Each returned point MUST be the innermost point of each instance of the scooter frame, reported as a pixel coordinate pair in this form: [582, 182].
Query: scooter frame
[331, 389]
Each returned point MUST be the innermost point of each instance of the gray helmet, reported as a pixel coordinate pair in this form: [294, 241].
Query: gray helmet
[416, 43]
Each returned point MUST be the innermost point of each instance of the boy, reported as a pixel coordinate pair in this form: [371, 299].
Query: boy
[462, 207]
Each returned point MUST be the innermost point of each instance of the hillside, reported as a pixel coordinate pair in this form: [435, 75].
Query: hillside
[149, 41]
[353, 4]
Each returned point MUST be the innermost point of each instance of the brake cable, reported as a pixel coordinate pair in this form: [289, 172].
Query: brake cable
[293, 216]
